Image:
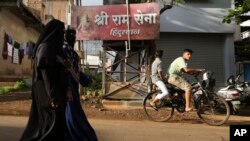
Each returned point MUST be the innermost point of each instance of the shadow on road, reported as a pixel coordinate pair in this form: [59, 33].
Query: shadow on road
[244, 111]
[10, 133]
[192, 118]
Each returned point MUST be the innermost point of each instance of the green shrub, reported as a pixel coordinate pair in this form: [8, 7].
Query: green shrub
[96, 80]
[4, 90]
[17, 86]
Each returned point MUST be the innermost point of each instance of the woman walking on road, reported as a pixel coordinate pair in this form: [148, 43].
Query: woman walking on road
[78, 127]
[46, 120]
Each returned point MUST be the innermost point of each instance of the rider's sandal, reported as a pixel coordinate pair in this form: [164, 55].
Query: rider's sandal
[153, 105]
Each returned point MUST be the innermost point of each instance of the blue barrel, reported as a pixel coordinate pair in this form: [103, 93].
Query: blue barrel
[247, 72]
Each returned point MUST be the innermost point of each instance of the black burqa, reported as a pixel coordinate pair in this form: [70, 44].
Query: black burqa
[78, 126]
[46, 123]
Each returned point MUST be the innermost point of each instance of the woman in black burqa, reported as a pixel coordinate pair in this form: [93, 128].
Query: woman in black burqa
[78, 127]
[46, 121]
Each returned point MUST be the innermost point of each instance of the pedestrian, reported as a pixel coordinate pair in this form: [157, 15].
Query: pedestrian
[46, 120]
[78, 127]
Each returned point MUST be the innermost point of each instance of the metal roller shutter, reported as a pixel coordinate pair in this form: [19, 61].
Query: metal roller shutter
[208, 50]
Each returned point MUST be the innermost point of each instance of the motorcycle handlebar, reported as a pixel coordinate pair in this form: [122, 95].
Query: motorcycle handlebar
[200, 72]
[196, 75]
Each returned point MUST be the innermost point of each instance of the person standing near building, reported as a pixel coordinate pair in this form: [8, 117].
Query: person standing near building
[157, 78]
[175, 71]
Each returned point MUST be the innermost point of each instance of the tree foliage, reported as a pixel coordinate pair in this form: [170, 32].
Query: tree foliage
[241, 7]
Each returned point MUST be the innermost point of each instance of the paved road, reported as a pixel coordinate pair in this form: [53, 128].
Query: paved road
[117, 130]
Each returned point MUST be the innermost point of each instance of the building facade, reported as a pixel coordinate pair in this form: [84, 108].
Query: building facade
[20, 27]
[47, 9]
[198, 25]
[22, 22]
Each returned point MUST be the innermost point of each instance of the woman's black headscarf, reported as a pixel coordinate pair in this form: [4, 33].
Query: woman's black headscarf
[49, 44]
[70, 36]
[46, 122]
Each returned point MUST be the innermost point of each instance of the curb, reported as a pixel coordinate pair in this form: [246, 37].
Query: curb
[122, 105]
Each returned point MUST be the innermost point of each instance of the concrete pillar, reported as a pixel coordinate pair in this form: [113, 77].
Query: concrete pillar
[229, 56]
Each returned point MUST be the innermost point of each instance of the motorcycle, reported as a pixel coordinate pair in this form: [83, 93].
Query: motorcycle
[234, 92]
[231, 93]
[243, 87]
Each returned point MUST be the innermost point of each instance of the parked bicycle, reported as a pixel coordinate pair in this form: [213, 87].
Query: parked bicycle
[211, 108]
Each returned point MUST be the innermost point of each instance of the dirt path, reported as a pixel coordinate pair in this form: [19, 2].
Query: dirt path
[95, 110]
[18, 104]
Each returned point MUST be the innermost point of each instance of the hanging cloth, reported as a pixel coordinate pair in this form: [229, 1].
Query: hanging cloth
[5, 47]
[21, 55]
[15, 57]
[21, 52]
[10, 46]
[10, 49]
[30, 49]
[25, 48]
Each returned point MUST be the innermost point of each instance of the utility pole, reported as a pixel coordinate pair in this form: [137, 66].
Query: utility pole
[80, 44]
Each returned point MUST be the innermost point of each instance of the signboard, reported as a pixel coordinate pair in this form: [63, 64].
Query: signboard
[112, 22]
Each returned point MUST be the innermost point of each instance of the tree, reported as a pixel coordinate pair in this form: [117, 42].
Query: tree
[241, 7]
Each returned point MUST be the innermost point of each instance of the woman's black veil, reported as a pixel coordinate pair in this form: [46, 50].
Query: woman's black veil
[50, 33]
[46, 123]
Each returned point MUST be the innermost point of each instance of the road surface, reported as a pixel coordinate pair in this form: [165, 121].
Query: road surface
[11, 128]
